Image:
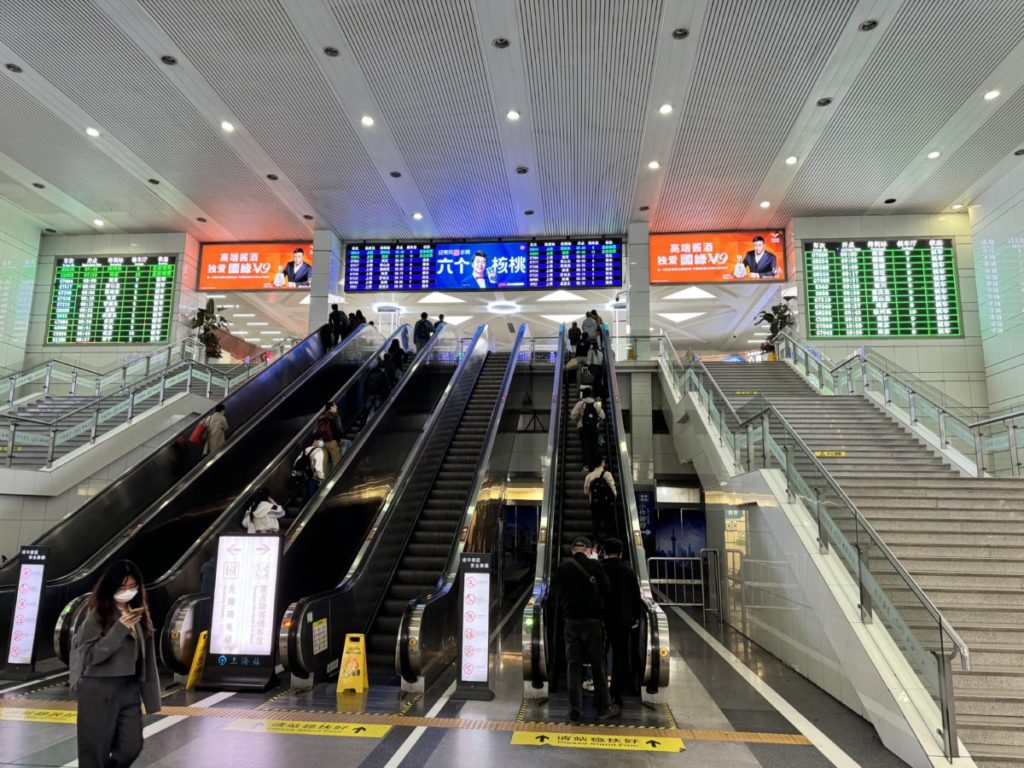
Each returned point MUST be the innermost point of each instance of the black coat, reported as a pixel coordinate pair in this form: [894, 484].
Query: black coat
[624, 601]
[577, 595]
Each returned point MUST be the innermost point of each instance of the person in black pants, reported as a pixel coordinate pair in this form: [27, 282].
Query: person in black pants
[338, 323]
[621, 618]
[113, 669]
[580, 587]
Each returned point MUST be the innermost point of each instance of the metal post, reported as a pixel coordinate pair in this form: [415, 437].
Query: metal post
[865, 596]
[821, 375]
[912, 405]
[148, 360]
[789, 467]
[124, 374]
[721, 428]
[818, 512]
[163, 388]
[750, 447]
[1011, 430]
[131, 405]
[764, 440]
[227, 385]
[95, 424]
[864, 372]
[943, 440]
[53, 446]
[188, 379]
[46, 379]
[13, 429]
[74, 381]
[950, 741]
[977, 453]
[10, 392]
[849, 380]
[885, 389]
[209, 383]
[99, 382]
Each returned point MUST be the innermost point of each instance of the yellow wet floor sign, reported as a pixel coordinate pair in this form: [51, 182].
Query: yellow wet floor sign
[198, 661]
[39, 715]
[299, 728]
[597, 741]
[352, 674]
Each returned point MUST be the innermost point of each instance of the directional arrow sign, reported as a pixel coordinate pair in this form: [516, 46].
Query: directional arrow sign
[542, 738]
[612, 739]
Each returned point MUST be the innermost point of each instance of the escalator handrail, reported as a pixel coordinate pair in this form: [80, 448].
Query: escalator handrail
[657, 623]
[253, 422]
[235, 509]
[533, 613]
[414, 611]
[287, 636]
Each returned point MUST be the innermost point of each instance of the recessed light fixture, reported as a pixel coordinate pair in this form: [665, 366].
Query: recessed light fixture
[867, 26]
[680, 33]
[501, 42]
[244, 314]
[417, 215]
[170, 61]
[366, 120]
[512, 115]
[992, 95]
[503, 307]
[766, 204]
[522, 169]
[528, 212]
[889, 200]
[92, 132]
[50, 231]
[654, 165]
[1019, 152]
[665, 109]
[226, 126]
[792, 160]
[933, 154]
[98, 222]
[645, 207]
[272, 176]
[395, 175]
[307, 217]
[331, 51]
[824, 102]
[153, 181]
[37, 185]
[200, 219]
[257, 324]
[957, 206]
[13, 68]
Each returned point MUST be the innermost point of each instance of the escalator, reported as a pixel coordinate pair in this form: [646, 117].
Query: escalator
[322, 533]
[414, 536]
[156, 528]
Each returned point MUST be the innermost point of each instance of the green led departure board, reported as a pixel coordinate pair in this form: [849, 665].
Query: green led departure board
[870, 288]
[111, 300]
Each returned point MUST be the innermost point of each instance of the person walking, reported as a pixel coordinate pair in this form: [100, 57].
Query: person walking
[339, 324]
[589, 326]
[394, 361]
[422, 331]
[328, 428]
[309, 467]
[377, 388]
[599, 486]
[621, 619]
[216, 430]
[113, 669]
[588, 416]
[263, 514]
[574, 334]
[580, 589]
[595, 364]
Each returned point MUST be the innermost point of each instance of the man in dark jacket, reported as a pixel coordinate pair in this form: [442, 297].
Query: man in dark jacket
[621, 617]
[339, 323]
[328, 428]
[580, 588]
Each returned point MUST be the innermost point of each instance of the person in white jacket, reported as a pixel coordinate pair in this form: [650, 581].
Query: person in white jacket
[263, 514]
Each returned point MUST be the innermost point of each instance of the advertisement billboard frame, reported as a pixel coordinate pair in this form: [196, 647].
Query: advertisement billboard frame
[745, 281]
[199, 266]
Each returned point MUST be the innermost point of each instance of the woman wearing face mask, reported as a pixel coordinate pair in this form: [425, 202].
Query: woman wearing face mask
[113, 669]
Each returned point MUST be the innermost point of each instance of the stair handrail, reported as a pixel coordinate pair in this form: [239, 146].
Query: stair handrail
[761, 412]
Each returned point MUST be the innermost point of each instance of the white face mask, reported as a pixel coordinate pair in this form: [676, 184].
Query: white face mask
[125, 595]
[593, 555]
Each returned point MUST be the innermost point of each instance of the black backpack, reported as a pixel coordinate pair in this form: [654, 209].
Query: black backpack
[590, 419]
[302, 469]
[600, 492]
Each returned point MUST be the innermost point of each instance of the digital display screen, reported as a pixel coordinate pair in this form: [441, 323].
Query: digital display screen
[881, 287]
[484, 266]
[244, 593]
[718, 257]
[111, 300]
[255, 266]
[26, 605]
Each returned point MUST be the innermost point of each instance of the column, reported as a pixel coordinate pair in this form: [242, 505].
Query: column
[326, 275]
[639, 283]
[641, 400]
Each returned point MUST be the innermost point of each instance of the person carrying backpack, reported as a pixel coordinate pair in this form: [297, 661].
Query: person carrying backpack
[308, 469]
[588, 416]
[599, 486]
[327, 427]
[595, 363]
[589, 326]
[339, 323]
[422, 331]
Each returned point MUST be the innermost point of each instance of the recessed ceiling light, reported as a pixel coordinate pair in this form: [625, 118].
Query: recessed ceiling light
[50, 231]
[766, 204]
[654, 165]
[226, 126]
[395, 175]
[200, 219]
[528, 212]
[331, 51]
[246, 314]
[366, 120]
[270, 333]
[665, 109]
[92, 132]
[824, 102]
[272, 176]
[1019, 152]
[680, 33]
[170, 61]
[501, 42]
[889, 200]
[417, 215]
[522, 169]
[37, 185]
[13, 68]
[307, 217]
[957, 206]
[933, 154]
[512, 115]
[153, 181]
[257, 324]
[991, 95]
[867, 26]
[792, 160]
[503, 307]
[98, 222]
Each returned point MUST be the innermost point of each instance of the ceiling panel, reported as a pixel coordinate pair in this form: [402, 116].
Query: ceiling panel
[79, 50]
[423, 64]
[935, 56]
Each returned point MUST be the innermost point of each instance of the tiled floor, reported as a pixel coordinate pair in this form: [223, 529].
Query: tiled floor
[707, 698]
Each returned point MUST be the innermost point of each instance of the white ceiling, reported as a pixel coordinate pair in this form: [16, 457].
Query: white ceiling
[587, 77]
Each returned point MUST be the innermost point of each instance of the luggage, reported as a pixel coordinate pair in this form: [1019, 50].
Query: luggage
[198, 436]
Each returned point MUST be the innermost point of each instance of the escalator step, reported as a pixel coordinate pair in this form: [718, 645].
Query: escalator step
[428, 549]
[393, 607]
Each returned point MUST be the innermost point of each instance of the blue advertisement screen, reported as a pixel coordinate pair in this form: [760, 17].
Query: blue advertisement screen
[484, 266]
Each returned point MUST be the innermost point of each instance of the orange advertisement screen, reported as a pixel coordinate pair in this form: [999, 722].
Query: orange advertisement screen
[255, 266]
[719, 257]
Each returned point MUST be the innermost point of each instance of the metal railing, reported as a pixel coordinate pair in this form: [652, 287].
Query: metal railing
[991, 442]
[120, 405]
[759, 437]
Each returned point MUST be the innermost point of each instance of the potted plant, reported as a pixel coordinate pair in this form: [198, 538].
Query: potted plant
[206, 322]
[779, 318]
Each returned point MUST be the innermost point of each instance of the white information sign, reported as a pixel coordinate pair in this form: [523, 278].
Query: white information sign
[243, 596]
[476, 600]
[26, 605]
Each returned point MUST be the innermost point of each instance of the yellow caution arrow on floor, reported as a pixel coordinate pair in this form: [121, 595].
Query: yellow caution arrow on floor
[299, 728]
[39, 715]
[597, 741]
[830, 454]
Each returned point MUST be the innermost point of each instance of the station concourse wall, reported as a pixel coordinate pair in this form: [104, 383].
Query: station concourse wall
[19, 254]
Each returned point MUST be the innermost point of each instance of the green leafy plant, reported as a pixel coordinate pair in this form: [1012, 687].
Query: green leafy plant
[205, 323]
[779, 318]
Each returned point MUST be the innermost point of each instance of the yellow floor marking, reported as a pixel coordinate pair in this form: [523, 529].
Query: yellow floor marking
[29, 715]
[313, 728]
[591, 741]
